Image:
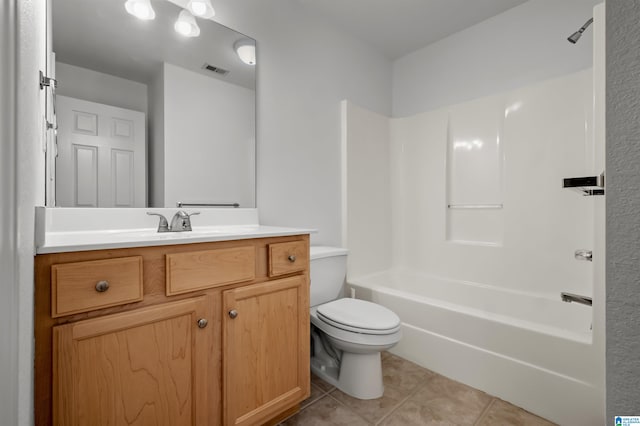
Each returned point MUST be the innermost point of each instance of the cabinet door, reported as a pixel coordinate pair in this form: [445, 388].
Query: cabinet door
[265, 349]
[144, 367]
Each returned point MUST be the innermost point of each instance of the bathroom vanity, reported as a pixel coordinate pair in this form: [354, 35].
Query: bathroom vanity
[173, 331]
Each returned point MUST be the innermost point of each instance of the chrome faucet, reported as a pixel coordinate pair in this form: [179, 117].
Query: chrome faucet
[181, 221]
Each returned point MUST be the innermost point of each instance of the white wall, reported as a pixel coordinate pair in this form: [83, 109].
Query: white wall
[305, 68]
[8, 236]
[29, 186]
[366, 190]
[89, 85]
[525, 44]
[204, 117]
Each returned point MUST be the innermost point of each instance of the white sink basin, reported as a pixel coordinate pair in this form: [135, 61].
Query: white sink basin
[64, 230]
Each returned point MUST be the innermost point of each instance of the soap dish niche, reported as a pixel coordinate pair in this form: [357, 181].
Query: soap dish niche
[586, 185]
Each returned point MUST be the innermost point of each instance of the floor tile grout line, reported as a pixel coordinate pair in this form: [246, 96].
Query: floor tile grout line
[484, 412]
[414, 391]
[348, 408]
[304, 407]
[405, 399]
[323, 393]
[393, 410]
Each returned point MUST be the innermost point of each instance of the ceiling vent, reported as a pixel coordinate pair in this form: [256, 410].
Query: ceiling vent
[217, 70]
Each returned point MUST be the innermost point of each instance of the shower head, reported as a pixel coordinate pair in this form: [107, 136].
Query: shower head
[573, 38]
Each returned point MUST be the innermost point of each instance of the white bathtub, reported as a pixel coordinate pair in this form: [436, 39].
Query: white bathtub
[533, 351]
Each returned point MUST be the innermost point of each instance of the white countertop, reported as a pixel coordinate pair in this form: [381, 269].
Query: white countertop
[61, 230]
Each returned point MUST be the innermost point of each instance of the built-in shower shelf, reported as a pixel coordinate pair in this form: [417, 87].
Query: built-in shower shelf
[587, 185]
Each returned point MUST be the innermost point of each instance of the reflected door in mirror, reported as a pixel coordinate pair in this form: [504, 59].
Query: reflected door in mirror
[101, 155]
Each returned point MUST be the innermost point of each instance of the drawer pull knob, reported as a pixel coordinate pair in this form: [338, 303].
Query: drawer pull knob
[233, 314]
[292, 258]
[102, 286]
[202, 323]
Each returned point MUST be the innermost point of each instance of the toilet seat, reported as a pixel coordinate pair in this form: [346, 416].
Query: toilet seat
[359, 316]
[362, 339]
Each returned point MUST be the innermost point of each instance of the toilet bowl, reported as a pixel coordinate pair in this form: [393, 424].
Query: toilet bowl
[347, 334]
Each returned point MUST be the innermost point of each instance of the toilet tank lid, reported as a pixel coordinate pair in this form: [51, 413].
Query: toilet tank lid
[318, 252]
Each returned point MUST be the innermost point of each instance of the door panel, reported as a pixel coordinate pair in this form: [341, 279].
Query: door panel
[266, 350]
[144, 367]
[121, 128]
[85, 123]
[123, 177]
[85, 176]
[117, 137]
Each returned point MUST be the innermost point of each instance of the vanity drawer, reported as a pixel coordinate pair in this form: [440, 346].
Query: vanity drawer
[287, 258]
[86, 286]
[197, 270]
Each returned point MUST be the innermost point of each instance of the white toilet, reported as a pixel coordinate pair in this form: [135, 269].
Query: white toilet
[347, 334]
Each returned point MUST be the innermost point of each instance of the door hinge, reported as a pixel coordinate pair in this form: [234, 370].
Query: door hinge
[47, 81]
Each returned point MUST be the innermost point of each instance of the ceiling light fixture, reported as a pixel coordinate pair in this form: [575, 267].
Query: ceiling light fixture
[186, 25]
[246, 50]
[141, 9]
[201, 8]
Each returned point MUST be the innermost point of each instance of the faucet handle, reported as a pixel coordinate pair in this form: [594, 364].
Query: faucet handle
[584, 255]
[181, 221]
[184, 214]
[163, 225]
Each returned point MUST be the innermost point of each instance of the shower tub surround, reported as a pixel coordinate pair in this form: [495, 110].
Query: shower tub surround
[475, 236]
[533, 351]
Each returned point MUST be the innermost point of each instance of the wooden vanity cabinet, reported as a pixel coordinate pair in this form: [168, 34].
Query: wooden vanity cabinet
[147, 366]
[266, 349]
[235, 352]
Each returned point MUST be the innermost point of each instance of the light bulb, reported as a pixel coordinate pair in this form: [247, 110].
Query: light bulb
[186, 25]
[141, 9]
[198, 8]
[201, 8]
[183, 28]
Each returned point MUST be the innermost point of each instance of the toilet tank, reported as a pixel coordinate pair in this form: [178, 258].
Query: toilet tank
[328, 267]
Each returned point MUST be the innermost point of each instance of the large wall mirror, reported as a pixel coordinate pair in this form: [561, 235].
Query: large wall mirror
[148, 116]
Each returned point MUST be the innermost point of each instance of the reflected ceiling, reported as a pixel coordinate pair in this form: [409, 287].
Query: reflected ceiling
[102, 36]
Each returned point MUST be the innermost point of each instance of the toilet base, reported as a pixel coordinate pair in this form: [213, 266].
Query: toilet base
[359, 375]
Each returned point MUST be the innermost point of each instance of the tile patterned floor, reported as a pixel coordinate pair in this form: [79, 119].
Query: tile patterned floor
[413, 396]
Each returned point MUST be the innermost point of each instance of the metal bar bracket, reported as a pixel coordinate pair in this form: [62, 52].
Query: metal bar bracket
[181, 204]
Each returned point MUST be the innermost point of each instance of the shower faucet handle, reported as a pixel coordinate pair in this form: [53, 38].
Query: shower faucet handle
[584, 255]
[163, 225]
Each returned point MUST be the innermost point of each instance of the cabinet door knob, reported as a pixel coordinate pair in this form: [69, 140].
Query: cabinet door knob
[102, 286]
[202, 323]
[233, 314]
[292, 258]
